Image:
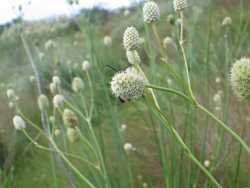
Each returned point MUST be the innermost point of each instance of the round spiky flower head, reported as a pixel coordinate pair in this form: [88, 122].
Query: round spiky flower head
[43, 102]
[19, 123]
[107, 41]
[179, 5]
[133, 57]
[227, 21]
[240, 78]
[131, 38]
[69, 118]
[151, 12]
[86, 66]
[128, 84]
[77, 84]
[10, 93]
[56, 80]
[58, 101]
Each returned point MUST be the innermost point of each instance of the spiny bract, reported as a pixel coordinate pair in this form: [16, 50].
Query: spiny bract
[128, 84]
[151, 12]
[240, 78]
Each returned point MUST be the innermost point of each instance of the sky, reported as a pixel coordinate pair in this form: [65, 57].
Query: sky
[40, 9]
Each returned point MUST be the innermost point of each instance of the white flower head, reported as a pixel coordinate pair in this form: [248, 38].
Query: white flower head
[43, 102]
[128, 147]
[240, 78]
[49, 44]
[179, 5]
[131, 38]
[77, 84]
[128, 84]
[133, 57]
[168, 42]
[107, 40]
[151, 12]
[52, 119]
[217, 98]
[145, 185]
[53, 88]
[126, 12]
[56, 80]
[86, 66]
[123, 127]
[169, 81]
[19, 123]
[57, 132]
[217, 108]
[58, 101]
[218, 80]
[10, 93]
[227, 21]
[11, 105]
[32, 79]
[207, 163]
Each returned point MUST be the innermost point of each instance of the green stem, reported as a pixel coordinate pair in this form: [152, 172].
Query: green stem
[86, 180]
[188, 152]
[170, 91]
[164, 57]
[99, 153]
[181, 42]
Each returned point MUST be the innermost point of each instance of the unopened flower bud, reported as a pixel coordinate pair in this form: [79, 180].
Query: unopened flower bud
[69, 118]
[86, 66]
[77, 84]
[10, 93]
[107, 40]
[43, 102]
[227, 21]
[19, 123]
[58, 101]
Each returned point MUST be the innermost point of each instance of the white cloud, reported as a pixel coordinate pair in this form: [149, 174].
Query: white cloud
[39, 9]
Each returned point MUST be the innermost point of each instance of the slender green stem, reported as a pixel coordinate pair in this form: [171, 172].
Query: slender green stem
[85, 179]
[164, 57]
[181, 42]
[169, 90]
[35, 143]
[87, 142]
[91, 110]
[188, 152]
[100, 154]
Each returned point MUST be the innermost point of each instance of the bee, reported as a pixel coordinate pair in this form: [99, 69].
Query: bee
[121, 99]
